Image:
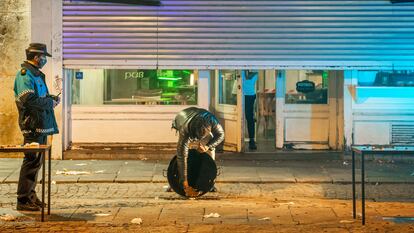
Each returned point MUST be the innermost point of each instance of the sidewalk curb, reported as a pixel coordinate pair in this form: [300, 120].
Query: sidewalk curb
[224, 182]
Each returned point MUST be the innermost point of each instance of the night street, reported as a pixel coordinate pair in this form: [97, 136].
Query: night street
[262, 195]
[206, 116]
[102, 207]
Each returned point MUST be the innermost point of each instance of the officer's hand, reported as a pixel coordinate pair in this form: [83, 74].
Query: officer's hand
[56, 101]
[202, 148]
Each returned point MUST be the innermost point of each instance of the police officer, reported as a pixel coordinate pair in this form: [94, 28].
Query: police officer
[195, 125]
[36, 120]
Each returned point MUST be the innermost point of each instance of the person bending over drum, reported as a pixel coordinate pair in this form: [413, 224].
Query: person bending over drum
[196, 126]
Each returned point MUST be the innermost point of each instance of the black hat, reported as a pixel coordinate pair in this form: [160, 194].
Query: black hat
[38, 48]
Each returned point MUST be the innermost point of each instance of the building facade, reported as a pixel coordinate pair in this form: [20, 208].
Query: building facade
[127, 70]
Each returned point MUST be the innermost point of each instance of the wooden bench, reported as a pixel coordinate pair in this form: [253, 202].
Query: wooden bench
[45, 150]
[371, 150]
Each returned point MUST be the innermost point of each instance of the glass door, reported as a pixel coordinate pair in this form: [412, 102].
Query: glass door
[310, 109]
[264, 110]
[228, 107]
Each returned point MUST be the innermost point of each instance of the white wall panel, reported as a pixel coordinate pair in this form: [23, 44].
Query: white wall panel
[376, 133]
[306, 130]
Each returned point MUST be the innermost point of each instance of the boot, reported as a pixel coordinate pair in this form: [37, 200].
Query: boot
[252, 145]
[35, 200]
[27, 206]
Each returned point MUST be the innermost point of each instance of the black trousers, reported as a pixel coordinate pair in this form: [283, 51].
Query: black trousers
[249, 114]
[30, 169]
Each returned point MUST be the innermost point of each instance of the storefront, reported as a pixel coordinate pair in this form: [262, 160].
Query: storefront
[129, 69]
[136, 104]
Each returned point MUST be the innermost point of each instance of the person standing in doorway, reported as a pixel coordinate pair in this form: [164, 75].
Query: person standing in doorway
[36, 121]
[249, 92]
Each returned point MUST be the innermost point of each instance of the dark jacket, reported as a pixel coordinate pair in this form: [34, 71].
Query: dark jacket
[184, 122]
[35, 106]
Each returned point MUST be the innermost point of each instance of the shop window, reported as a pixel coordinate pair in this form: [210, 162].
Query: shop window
[306, 87]
[227, 87]
[400, 78]
[134, 87]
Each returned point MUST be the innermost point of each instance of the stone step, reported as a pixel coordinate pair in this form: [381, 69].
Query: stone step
[133, 151]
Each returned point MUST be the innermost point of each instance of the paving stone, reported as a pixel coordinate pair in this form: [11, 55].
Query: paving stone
[149, 215]
[134, 179]
[315, 214]
[311, 175]
[340, 174]
[278, 214]
[182, 213]
[61, 214]
[394, 209]
[13, 177]
[97, 178]
[65, 178]
[344, 211]
[228, 214]
[96, 215]
[275, 174]
[4, 175]
[192, 228]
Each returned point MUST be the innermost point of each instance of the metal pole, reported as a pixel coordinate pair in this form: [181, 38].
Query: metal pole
[43, 154]
[363, 187]
[49, 180]
[353, 186]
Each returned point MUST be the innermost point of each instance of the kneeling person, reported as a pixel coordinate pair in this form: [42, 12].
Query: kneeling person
[200, 126]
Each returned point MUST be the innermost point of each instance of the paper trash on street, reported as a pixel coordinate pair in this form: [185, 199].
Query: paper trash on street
[212, 215]
[288, 203]
[136, 221]
[102, 215]
[8, 217]
[346, 221]
[65, 172]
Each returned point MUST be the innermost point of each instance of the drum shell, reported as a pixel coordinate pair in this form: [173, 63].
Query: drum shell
[201, 173]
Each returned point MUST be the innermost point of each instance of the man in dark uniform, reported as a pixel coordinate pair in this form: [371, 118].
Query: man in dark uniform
[36, 121]
[200, 126]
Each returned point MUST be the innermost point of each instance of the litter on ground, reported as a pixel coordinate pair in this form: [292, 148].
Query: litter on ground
[212, 215]
[8, 217]
[346, 221]
[65, 172]
[102, 215]
[136, 221]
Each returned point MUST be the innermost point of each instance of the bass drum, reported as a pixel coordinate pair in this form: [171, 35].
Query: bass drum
[201, 173]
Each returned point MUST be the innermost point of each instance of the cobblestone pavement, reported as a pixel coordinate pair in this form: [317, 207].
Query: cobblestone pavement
[232, 171]
[110, 207]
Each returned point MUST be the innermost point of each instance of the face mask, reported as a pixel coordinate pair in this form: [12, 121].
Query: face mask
[42, 61]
